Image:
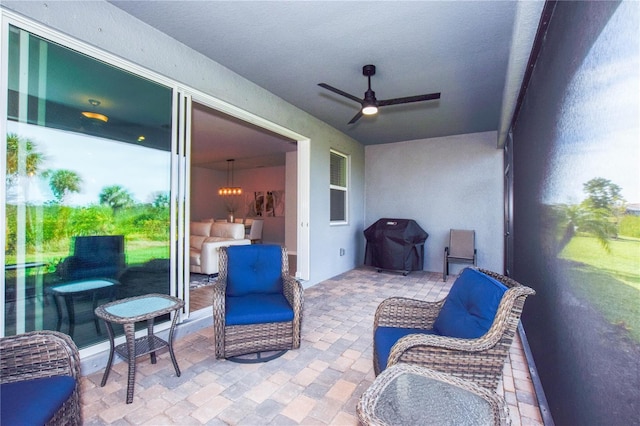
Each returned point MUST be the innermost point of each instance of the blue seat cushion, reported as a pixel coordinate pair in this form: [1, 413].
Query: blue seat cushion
[255, 268]
[471, 306]
[34, 402]
[386, 337]
[257, 309]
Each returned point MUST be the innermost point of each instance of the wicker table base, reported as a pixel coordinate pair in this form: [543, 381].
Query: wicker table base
[129, 311]
[406, 394]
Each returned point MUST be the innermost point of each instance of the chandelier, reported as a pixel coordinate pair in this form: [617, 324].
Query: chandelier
[230, 189]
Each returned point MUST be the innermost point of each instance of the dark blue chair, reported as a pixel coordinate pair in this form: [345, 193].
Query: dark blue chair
[257, 305]
[95, 256]
[468, 334]
[39, 379]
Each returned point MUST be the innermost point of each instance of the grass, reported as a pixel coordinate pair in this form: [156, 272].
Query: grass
[141, 251]
[629, 226]
[609, 280]
[136, 252]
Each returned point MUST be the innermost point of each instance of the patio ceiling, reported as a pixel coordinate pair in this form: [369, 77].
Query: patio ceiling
[473, 52]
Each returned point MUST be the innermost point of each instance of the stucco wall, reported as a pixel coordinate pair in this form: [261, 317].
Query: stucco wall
[110, 29]
[441, 183]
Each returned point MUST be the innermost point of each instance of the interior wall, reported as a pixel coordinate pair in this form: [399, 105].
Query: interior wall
[104, 26]
[263, 179]
[441, 183]
[572, 127]
[204, 193]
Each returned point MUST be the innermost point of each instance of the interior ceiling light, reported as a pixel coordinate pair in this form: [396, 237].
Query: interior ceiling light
[95, 115]
[230, 189]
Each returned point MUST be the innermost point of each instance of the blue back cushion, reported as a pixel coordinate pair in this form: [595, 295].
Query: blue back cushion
[34, 402]
[255, 268]
[471, 306]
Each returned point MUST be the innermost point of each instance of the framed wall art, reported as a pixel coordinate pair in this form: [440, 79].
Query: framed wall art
[264, 203]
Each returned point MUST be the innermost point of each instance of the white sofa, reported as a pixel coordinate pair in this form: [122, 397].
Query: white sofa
[205, 240]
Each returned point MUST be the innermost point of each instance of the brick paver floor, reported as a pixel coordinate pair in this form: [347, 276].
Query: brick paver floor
[318, 384]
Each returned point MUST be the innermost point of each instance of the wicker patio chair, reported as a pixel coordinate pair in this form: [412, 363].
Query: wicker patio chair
[40, 354]
[479, 359]
[267, 314]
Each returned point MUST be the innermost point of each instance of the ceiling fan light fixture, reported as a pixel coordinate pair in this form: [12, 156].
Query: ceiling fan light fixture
[370, 104]
[369, 109]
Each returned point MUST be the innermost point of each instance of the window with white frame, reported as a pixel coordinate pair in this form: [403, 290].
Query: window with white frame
[339, 187]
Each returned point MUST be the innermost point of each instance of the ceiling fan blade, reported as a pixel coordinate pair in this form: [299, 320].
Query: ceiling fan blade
[356, 117]
[409, 99]
[340, 92]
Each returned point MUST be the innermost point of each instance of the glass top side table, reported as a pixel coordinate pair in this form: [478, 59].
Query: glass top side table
[406, 394]
[129, 311]
[98, 288]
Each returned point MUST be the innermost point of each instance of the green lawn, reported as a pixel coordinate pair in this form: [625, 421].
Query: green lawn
[609, 280]
[141, 251]
[137, 252]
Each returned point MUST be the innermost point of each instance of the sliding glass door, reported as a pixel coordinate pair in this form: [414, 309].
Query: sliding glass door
[89, 199]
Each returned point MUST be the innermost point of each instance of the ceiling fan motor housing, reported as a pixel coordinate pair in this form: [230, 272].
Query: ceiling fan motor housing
[369, 96]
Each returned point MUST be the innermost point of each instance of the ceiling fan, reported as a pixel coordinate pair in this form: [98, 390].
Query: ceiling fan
[370, 104]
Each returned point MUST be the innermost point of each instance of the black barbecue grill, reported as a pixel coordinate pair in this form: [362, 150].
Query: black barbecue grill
[395, 245]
